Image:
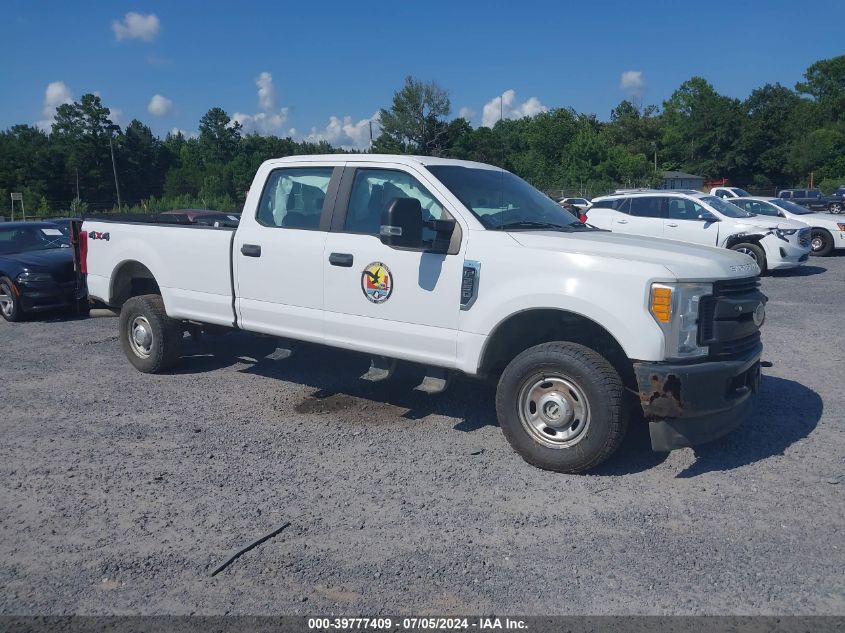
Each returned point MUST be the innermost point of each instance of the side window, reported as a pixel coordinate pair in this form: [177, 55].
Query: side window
[623, 205]
[801, 193]
[293, 198]
[374, 189]
[646, 207]
[683, 209]
[784, 195]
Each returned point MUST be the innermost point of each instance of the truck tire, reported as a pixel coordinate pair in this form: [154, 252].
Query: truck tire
[836, 207]
[562, 407]
[821, 243]
[10, 305]
[754, 251]
[151, 340]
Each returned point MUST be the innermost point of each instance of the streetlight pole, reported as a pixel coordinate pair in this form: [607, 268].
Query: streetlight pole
[114, 169]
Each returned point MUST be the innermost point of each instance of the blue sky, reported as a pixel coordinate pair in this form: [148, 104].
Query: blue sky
[322, 69]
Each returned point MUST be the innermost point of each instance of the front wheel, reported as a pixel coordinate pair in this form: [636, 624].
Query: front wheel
[821, 243]
[151, 340]
[562, 407]
[10, 305]
[754, 251]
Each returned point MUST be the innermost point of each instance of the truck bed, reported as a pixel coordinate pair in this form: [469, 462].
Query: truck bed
[191, 263]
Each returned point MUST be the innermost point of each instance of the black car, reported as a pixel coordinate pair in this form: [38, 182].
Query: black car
[36, 270]
[814, 199]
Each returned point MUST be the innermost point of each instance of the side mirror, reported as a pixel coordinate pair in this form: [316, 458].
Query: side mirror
[402, 223]
[707, 217]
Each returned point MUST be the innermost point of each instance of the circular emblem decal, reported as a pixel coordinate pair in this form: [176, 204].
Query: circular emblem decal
[760, 314]
[377, 282]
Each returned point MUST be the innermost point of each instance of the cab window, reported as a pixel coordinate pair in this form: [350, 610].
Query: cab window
[683, 209]
[374, 189]
[293, 198]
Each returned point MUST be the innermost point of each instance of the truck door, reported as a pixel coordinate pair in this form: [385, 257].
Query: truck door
[278, 253]
[682, 223]
[387, 301]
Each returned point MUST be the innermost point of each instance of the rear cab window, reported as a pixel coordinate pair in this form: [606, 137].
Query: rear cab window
[294, 197]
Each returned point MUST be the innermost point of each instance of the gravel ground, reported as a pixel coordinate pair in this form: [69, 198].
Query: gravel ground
[121, 492]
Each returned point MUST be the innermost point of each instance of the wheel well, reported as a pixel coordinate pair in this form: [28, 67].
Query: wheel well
[733, 240]
[815, 228]
[132, 279]
[532, 327]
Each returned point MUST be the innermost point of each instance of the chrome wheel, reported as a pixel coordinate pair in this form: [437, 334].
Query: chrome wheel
[141, 336]
[7, 301]
[554, 411]
[817, 243]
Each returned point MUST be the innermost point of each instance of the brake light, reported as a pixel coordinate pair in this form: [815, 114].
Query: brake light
[83, 252]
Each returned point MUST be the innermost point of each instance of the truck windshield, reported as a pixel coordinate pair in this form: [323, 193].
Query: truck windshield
[792, 207]
[501, 200]
[30, 238]
[726, 208]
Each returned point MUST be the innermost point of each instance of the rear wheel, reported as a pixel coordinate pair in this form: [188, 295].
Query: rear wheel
[562, 407]
[836, 207]
[10, 305]
[754, 252]
[821, 243]
[151, 340]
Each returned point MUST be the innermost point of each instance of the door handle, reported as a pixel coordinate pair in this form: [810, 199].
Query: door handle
[341, 259]
[621, 221]
[251, 250]
[672, 225]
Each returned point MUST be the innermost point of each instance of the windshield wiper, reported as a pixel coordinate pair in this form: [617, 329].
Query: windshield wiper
[530, 224]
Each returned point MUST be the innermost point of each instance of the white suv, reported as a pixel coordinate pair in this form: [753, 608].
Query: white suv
[692, 216]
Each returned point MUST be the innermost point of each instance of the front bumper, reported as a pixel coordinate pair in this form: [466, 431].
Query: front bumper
[782, 254]
[688, 405]
[49, 296]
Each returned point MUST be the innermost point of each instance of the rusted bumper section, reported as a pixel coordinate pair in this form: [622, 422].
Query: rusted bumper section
[688, 405]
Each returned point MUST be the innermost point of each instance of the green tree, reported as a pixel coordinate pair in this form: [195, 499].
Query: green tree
[219, 136]
[415, 122]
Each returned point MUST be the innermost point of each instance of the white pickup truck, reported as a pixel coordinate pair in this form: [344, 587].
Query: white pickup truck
[465, 269]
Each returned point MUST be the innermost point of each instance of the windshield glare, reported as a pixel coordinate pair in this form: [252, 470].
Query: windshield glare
[742, 193]
[31, 238]
[792, 207]
[726, 208]
[497, 197]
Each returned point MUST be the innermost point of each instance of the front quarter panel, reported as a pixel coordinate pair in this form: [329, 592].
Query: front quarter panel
[611, 292]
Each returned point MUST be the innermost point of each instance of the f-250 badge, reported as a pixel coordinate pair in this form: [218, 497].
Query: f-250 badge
[377, 282]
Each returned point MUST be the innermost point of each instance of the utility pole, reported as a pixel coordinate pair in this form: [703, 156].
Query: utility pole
[114, 169]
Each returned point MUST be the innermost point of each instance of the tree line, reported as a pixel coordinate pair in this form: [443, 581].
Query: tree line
[776, 137]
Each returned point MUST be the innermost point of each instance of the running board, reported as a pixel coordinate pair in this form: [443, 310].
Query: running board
[436, 381]
[381, 368]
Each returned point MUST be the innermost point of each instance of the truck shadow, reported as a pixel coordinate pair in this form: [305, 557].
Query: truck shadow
[785, 411]
[800, 271]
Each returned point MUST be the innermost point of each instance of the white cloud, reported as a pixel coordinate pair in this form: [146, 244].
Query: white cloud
[115, 115]
[136, 26]
[505, 106]
[56, 94]
[346, 133]
[466, 113]
[159, 105]
[632, 82]
[269, 120]
[177, 130]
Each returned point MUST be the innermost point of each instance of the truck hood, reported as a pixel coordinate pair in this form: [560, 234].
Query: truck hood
[684, 261]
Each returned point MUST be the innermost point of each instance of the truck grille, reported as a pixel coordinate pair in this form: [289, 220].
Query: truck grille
[726, 319]
[804, 238]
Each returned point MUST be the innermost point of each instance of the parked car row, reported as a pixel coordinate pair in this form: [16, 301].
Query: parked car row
[749, 224]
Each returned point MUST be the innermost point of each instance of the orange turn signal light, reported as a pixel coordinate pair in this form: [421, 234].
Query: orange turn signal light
[661, 303]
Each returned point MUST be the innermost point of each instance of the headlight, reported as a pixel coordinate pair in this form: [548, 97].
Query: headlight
[675, 307]
[28, 278]
[782, 232]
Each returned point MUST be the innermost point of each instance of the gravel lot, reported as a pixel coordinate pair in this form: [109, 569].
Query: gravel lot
[121, 492]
